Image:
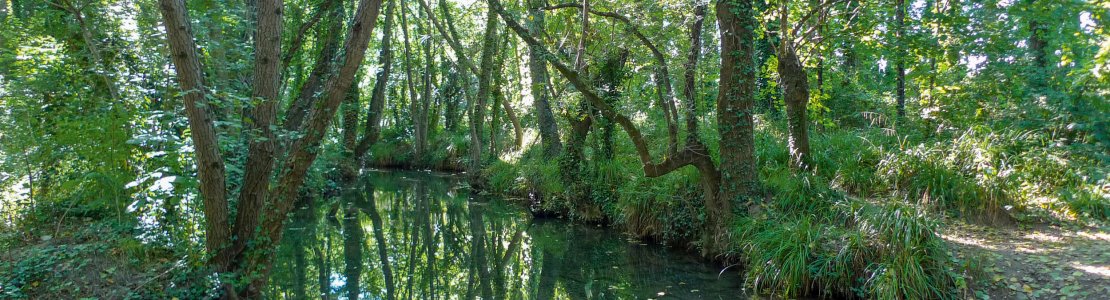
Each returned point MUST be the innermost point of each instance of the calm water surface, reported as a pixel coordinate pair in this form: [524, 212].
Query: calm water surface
[405, 235]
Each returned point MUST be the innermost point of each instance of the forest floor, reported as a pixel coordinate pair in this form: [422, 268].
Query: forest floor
[78, 258]
[1034, 261]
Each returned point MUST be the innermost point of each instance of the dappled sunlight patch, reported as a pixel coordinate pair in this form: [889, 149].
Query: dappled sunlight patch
[1040, 262]
[968, 241]
[1102, 270]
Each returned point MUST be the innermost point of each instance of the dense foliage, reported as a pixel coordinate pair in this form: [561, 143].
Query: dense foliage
[821, 145]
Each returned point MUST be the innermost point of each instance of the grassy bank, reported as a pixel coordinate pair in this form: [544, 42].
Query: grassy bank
[863, 222]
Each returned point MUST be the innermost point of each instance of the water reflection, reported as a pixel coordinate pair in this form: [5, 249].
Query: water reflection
[418, 236]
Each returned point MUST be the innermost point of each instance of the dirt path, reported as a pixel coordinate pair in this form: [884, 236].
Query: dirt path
[1035, 262]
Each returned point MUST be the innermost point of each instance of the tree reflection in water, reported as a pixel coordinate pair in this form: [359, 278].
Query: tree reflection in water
[433, 242]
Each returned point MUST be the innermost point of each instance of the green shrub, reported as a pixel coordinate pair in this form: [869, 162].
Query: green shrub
[504, 178]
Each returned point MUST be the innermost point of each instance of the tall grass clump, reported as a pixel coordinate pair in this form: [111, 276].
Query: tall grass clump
[504, 177]
[861, 249]
[907, 259]
[392, 151]
[781, 253]
[848, 159]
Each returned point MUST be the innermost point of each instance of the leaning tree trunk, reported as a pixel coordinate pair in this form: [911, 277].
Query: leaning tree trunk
[691, 156]
[304, 151]
[298, 110]
[210, 164]
[373, 129]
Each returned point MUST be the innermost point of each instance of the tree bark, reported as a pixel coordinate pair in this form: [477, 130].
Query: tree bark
[210, 164]
[693, 155]
[323, 67]
[477, 110]
[549, 128]
[260, 153]
[304, 150]
[900, 64]
[348, 166]
[735, 101]
[795, 86]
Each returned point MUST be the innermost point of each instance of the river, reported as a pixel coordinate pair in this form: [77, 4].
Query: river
[411, 235]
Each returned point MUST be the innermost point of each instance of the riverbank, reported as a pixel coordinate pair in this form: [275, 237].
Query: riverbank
[871, 219]
[95, 254]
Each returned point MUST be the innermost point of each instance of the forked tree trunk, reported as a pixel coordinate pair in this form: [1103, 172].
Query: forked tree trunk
[260, 154]
[278, 202]
[304, 150]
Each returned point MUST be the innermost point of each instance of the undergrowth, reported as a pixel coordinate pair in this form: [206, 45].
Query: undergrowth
[92, 254]
[863, 221]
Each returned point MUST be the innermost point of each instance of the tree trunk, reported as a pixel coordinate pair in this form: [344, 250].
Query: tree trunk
[549, 128]
[260, 154]
[304, 150]
[900, 63]
[739, 174]
[689, 89]
[426, 96]
[795, 86]
[210, 164]
[477, 110]
[373, 126]
[323, 67]
[1037, 45]
[410, 84]
[348, 166]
